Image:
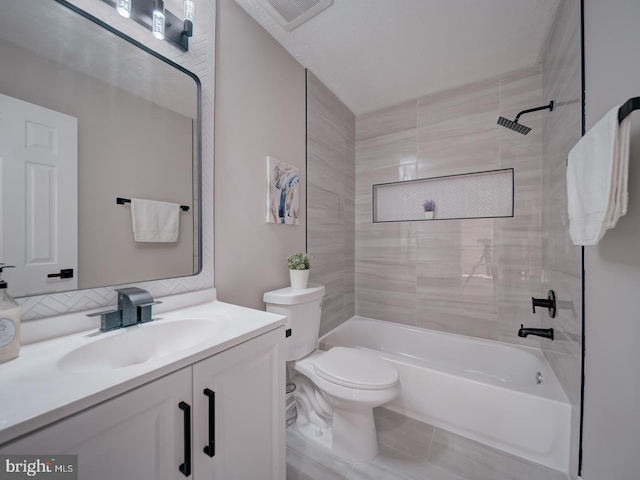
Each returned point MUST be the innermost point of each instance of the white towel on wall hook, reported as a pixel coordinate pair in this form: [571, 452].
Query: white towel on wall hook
[597, 179]
[155, 221]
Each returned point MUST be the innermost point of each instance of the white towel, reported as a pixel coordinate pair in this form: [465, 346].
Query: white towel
[155, 221]
[597, 179]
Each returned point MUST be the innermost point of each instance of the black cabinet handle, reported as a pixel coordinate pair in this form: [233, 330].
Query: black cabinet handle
[185, 468]
[210, 449]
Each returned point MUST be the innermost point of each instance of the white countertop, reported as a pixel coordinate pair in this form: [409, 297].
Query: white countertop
[35, 391]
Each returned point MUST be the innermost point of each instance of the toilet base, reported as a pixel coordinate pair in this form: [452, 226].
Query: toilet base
[351, 437]
[318, 436]
[338, 418]
[354, 435]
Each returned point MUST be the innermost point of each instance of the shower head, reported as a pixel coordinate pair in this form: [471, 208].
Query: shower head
[517, 127]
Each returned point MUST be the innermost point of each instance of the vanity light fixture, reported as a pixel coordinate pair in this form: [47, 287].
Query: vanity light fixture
[163, 24]
[124, 8]
[189, 11]
[158, 19]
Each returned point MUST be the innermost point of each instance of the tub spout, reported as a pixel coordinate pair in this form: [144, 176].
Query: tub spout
[540, 332]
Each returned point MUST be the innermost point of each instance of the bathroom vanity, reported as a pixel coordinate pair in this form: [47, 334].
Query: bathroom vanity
[214, 408]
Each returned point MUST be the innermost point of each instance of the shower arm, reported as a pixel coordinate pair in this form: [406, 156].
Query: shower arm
[549, 107]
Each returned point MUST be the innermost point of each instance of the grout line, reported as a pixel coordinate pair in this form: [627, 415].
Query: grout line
[433, 434]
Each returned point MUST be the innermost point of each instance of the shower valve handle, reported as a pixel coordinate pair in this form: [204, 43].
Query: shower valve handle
[549, 302]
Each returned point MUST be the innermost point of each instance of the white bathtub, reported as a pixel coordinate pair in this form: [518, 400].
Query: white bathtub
[481, 389]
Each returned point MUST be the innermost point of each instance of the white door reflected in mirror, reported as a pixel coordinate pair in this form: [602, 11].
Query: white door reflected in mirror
[39, 200]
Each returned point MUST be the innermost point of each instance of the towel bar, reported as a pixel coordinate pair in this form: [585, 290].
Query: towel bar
[626, 109]
[122, 201]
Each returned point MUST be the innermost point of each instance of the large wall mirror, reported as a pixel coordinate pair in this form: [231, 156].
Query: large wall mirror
[88, 116]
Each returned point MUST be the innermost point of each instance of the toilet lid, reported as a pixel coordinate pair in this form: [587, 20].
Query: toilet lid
[355, 369]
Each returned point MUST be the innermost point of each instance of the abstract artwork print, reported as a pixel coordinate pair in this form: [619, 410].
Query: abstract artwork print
[283, 182]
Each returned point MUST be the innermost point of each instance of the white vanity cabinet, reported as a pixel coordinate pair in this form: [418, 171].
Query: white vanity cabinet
[140, 435]
[137, 435]
[245, 398]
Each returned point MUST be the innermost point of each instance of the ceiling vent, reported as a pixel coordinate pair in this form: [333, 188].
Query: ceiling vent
[293, 13]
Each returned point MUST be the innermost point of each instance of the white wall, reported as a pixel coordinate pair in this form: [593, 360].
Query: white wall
[260, 111]
[612, 365]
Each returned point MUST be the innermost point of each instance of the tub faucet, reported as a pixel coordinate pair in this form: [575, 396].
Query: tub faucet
[540, 332]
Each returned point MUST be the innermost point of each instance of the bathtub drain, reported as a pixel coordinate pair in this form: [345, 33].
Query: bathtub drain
[539, 378]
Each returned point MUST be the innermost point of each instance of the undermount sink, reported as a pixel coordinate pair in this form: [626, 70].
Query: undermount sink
[138, 344]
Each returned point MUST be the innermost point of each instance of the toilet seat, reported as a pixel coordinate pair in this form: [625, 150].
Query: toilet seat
[353, 368]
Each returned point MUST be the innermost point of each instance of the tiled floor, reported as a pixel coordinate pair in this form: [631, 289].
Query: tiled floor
[411, 450]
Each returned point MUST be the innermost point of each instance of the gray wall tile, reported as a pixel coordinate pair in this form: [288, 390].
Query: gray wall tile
[389, 120]
[460, 103]
[331, 194]
[471, 277]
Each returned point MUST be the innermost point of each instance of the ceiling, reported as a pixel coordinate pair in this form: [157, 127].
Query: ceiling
[376, 53]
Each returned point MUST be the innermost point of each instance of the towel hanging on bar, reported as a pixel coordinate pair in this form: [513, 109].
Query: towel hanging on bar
[597, 177]
[155, 221]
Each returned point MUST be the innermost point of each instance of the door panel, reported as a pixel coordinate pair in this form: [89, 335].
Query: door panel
[39, 151]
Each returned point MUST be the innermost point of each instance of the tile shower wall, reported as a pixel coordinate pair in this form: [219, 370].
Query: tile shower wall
[472, 277]
[331, 200]
[561, 260]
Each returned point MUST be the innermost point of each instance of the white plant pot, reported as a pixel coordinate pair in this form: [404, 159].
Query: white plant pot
[428, 215]
[299, 278]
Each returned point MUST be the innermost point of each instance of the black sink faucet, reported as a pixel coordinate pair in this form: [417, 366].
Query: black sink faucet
[540, 332]
[133, 303]
[134, 307]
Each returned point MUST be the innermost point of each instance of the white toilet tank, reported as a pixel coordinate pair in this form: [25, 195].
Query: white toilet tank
[303, 308]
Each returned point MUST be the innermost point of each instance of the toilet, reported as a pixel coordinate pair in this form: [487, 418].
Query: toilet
[336, 390]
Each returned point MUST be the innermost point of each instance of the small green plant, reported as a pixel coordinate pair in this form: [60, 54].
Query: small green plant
[299, 261]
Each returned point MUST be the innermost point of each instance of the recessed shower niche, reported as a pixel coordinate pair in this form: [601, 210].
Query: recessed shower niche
[488, 194]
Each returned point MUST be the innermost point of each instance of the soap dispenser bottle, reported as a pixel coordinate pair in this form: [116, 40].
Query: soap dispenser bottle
[9, 323]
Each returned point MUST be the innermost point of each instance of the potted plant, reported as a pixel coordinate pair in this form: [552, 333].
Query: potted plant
[429, 207]
[299, 265]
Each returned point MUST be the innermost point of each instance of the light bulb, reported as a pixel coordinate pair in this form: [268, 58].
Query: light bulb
[189, 10]
[158, 20]
[123, 7]
[188, 18]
